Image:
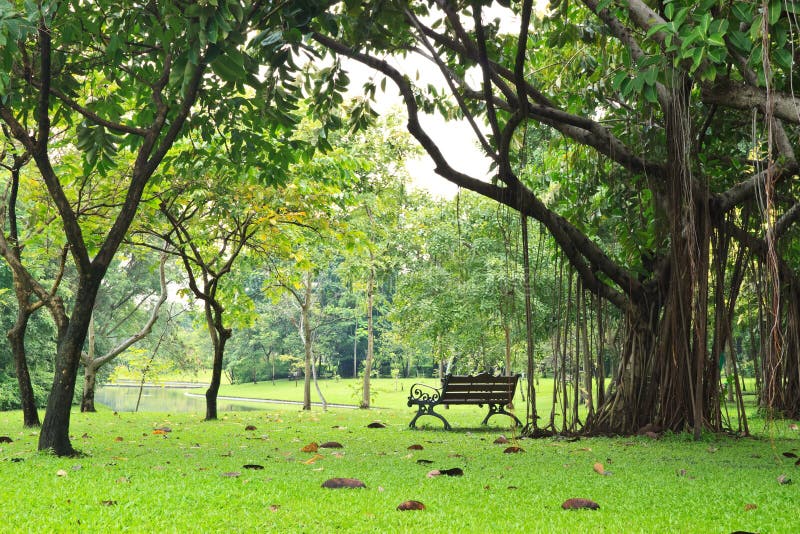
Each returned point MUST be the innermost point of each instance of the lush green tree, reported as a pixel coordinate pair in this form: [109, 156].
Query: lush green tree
[651, 105]
[124, 79]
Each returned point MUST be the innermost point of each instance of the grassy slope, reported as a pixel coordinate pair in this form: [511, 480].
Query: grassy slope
[177, 483]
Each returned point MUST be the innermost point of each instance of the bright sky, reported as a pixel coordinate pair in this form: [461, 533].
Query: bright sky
[455, 139]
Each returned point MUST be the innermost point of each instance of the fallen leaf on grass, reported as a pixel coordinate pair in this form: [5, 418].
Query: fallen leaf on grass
[410, 505]
[784, 480]
[376, 424]
[255, 467]
[454, 472]
[338, 483]
[512, 487]
[160, 432]
[433, 474]
[311, 447]
[232, 474]
[422, 461]
[600, 470]
[415, 447]
[749, 506]
[85, 436]
[274, 507]
[793, 426]
[790, 455]
[331, 445]
[119, 438]
[250, 427]
[313, 459]
[513, 450]
[61, 473]
[577, 504]
[502, 440]
[123, 480]
[712, 449]
[6, 439]
[108, 503]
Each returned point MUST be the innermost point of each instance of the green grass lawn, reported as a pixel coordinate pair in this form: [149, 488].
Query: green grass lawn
[194, 479]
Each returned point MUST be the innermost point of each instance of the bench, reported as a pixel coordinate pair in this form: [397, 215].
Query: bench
[480, 389]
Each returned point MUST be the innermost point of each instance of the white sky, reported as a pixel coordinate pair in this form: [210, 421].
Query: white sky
[455, 139]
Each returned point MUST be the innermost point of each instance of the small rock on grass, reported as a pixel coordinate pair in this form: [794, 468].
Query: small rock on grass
[338, 483]
[376, 424]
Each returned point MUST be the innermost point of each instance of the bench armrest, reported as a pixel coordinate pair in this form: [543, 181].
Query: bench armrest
[423, 393]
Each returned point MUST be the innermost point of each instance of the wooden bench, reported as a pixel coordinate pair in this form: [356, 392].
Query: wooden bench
[480, 389]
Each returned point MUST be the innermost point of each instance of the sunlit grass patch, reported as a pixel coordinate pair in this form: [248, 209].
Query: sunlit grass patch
[148, 472]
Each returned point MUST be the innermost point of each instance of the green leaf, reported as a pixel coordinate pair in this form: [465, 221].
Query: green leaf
[775, 11]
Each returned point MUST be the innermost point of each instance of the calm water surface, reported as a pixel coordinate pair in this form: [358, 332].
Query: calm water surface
[164, 399]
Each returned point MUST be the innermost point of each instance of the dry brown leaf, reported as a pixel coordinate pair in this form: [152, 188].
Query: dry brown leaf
[790, 455]
[502, 440]
[255, 467]
[119, 438]
[274, 507]
[231, 474]
[793, 426]
[599, 469]
[311, 447]
[376, 424]
[577, 504]
[331, 445]
[159, 432]
[337, 483]
[250, 427]
[108, 503]
[750, 506]
[513, 450]
[784, 480]
[314, 459]
[415, 447]
[6, 439]
[454, 472]
[410, 505]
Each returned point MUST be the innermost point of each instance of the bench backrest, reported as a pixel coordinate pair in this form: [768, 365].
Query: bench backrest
[482, 388]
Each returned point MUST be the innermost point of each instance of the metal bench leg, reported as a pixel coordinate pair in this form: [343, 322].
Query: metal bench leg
[494, 410]
[427, 409]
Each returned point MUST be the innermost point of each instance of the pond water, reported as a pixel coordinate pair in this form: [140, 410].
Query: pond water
[164, 399]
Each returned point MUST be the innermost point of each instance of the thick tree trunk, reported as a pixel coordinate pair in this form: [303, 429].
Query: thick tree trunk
[55, 427]
[664, 378]
[16, 338]
[219, 337]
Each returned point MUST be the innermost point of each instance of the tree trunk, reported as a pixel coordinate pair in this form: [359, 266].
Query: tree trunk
[55, 427]
[89, 383]
[16, 338]
[89, 371]
[305, 333]
[219, 336]
[365, 399]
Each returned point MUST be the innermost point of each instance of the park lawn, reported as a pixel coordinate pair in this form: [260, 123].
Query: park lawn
[194, 479]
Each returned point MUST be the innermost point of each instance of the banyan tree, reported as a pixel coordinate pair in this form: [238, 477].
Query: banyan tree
[654, 143]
